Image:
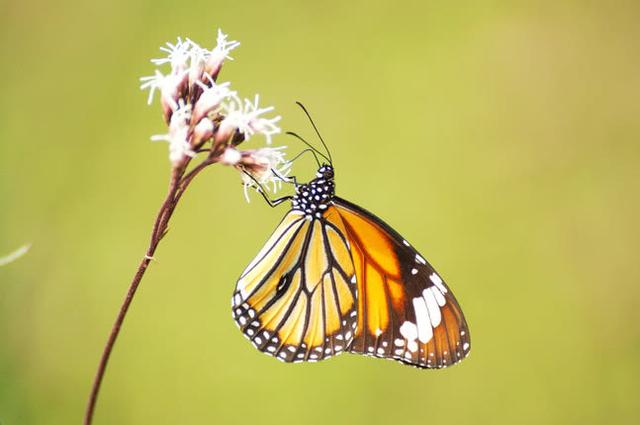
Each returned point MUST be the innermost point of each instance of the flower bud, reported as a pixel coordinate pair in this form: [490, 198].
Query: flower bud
[202, 132]
[225, 133]
[230, 156]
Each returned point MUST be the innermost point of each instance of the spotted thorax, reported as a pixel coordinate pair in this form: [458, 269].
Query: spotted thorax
[198, 110]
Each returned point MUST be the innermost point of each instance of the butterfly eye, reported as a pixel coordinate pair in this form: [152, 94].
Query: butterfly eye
[327, 173]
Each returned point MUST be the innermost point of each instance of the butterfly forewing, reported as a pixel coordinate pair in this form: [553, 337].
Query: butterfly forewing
[405, 310]
[296, 299]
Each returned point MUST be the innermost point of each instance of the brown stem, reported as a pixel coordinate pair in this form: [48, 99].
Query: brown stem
[177, 186]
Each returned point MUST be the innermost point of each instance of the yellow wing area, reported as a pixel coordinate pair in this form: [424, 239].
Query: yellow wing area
[296, 299]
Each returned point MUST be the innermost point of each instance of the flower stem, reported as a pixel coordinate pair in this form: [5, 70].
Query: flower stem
[177, 187]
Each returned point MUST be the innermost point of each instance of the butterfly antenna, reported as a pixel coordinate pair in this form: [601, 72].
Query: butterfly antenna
[291, 133]
[315, 155]
[316, 129]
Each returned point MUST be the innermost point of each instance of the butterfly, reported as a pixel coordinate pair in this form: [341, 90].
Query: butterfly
[335, 278]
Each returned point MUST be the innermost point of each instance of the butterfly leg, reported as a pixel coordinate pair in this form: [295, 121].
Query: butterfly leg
[271, 202]
[286, 179]
[274, 202]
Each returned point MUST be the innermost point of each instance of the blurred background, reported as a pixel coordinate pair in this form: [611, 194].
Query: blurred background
[502, 139]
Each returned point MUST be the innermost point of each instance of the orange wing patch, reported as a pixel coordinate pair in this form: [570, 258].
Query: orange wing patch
[405, 311]
[377, 272]
[378, 242]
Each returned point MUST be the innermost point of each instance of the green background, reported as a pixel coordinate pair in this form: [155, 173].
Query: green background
[500, 138]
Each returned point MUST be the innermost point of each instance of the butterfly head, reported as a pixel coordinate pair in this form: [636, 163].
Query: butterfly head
[314, 197]
[325, 172]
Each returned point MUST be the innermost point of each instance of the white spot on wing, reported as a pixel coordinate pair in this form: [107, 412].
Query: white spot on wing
[409, 331]
[438, 295]
[432, 306]
[414, 271]
[421, 260]
[438, 282]
[425, 333]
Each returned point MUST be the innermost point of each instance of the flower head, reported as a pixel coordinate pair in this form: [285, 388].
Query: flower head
[199, 111]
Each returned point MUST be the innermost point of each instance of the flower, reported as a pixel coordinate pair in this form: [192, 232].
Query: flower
[210, 98]
[216, 57]
[171, 89]
[177, 54]
[179, 145]
[246, 118]
[204, 116]
[261, 168]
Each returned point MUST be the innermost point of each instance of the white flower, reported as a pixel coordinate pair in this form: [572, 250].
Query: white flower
[267, 167]
[198, 110]
[246, 117]
[196, 64]
[223, 48]
[178, 134]
[210, 98]
[169, 86]
[177, 54]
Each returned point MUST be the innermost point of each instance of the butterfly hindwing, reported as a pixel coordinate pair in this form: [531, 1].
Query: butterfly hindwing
[405, 311]
[296, 299]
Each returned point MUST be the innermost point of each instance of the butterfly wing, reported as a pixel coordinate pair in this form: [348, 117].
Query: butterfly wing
[296, 299]
[405, 310]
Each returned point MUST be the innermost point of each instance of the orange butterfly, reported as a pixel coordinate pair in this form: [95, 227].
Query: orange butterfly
[333, 278]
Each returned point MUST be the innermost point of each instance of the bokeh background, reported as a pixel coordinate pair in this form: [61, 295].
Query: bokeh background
[502, 138]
